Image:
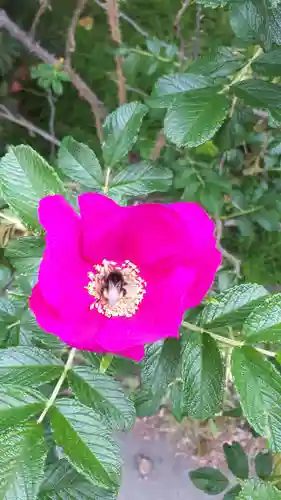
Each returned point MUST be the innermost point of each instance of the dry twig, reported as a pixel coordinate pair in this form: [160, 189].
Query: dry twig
[177, 28]
[126, 18]
[44, 5]
[113, 21]
[236, 263]
[51, 120]
[158, 146]
[197, 31]
[35, 48]
[70, 42]
[5, 114]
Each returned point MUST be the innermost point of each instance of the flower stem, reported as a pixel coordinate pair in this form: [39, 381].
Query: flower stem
[242, 212]
[57, 388]
[106, 182]
[225, 340]
[155, 56]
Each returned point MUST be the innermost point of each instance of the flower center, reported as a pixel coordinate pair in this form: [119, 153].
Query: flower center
[117, 290]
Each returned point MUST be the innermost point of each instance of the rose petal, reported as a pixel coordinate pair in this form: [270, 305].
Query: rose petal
[50, 321]
[63, 274]
[100, 219]
[136, 233]
[198, 226]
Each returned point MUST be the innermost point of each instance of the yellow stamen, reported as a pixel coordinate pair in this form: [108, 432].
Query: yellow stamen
[127, 302]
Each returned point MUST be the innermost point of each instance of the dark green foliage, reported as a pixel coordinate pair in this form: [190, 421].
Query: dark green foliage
[203, 126]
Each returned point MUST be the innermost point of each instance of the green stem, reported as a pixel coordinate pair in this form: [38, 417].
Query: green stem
[106, 182]
[241, 213]
[57, 388]
[13, 324]
[155, 56]
[243, 72]
[225, 340]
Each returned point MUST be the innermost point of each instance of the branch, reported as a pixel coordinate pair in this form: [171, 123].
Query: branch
[70, 42]
[44, 4]
[5, 114]
[226, 340]
[177, 21]
[134, 25]
[51, 120]
[35, 48]
[158, 146]
[113, 21]
[236, 263]
[130, 21]
[197, 31]
[69, 49]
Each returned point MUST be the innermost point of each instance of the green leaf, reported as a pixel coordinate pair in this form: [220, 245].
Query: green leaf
[26, 366]
[237, 460]
[260, 94]
[253, 490]
[250, 21]
[264, 464]
[31, 335]
[22, 461]
[233, 493]
[232, 133]
[86, 442]
[146, 403]
[268, 219]
[233, 305]
[120, 131]
[169, 87]
[177, 400]
[209, 480]
[62, 482]
[268, 64]
[264, 323]
[24, 171]
[57, 86]
[25, 255]
[159, 367]
[202, 375]
[219, 62]
[261, 395]
[192, 120]
[18, 404]
[103, 394]
[275, 24]
[78, 162]
[140, 179]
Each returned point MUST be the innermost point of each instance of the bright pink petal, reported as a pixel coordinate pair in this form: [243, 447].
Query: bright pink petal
[100, 219]
[138, 233]
[205, 277]
[199, 229]
[201, 249]
[50, 321]
[63, 273]
[152, 234]
[47, 317]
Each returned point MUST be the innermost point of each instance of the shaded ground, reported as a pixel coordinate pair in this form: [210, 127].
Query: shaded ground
[154, 471]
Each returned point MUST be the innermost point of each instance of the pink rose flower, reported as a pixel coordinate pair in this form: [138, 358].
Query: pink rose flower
[115, 278]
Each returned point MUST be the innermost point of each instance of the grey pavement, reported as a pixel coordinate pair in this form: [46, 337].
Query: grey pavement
[154, 471]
